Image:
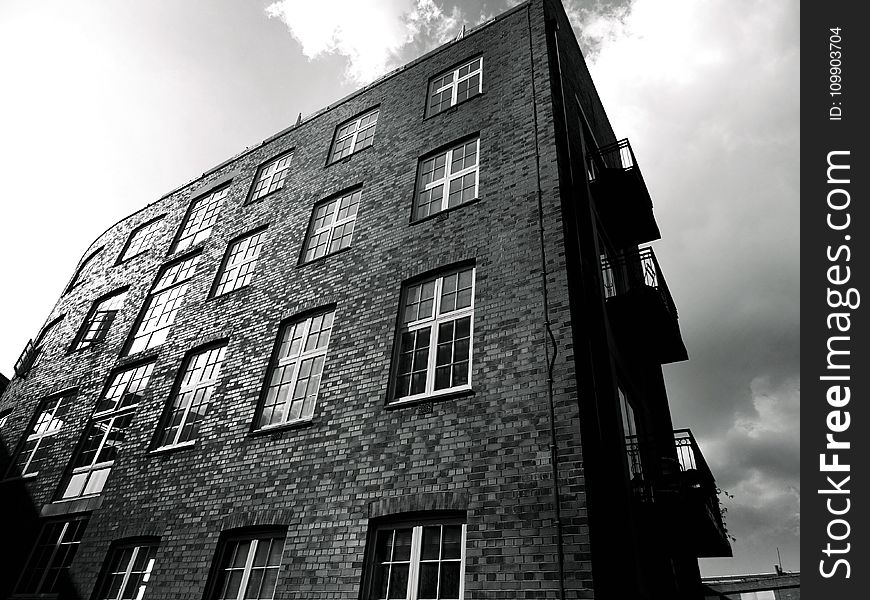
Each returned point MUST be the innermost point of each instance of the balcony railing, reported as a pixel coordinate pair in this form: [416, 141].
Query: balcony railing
[680, 492]
[633, 270]
[640, 308]
[618, 155]
[621, 196]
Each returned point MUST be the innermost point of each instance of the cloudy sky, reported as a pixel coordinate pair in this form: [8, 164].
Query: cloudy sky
[109, 104]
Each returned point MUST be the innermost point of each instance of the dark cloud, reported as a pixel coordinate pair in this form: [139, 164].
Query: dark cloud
[707, 93]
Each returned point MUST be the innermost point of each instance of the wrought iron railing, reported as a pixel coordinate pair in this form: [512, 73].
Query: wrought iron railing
[697, 477]
[617, 156]
[633, 270]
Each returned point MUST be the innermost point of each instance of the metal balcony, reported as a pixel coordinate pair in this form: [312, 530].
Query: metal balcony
[696, 500]
[621, 197]
[641, 310]
[679, 496]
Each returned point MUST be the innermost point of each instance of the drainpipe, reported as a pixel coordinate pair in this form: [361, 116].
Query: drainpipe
[549, 340]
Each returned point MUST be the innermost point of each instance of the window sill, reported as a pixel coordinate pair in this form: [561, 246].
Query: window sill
[347, 158]
[131, 258]
[434, 397]
[250, 201]
[24, 477]
[444, 213]
[238, 292]
[324, 257]
[141, 356]
[453, 108]
[178, 253]
[68, 506]
[170, 449]
[298, 424]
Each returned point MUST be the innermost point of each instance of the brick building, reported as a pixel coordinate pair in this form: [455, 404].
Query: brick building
[408, 347]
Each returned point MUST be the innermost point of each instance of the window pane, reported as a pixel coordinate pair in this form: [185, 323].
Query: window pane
[142, 239]
[332, 226]
[191, 403]
[253, 561]
[294, 381]
[271, 176]
[100, 319]
[201, 219]
[428, 587]
[431, 542]
[449, 587]
[399, 581]
[53, 553]
[241, 259]
[356, 134]
[460, 181]
[50, 419]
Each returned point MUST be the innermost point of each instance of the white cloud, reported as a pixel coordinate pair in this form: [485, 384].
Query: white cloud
[371, 34]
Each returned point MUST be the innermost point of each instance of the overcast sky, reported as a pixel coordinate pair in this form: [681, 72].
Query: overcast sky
[107, 105]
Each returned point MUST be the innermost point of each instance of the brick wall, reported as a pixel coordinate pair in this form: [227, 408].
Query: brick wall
[486, 453]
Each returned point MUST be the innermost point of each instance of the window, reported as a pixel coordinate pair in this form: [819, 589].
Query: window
[447, 179]
[436, 313]
[162, 305]
[201, 217]
[83, 268]
[332, 224]
[51, 557]
[632, 441]
[105, 433]
[4, 416]
[239, 263]
[354, 135]
[99, 319]
[141, 239]
[128, 571]
[418, 561]
[49, 419]
[294, 379]
[190, 402]
[247, 567]
[455, 86]
[271, 176]
[32, 350]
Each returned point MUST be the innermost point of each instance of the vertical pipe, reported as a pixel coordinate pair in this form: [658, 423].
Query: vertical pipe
[551, 360]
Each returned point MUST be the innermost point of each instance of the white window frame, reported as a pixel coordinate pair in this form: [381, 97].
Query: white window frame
[139, 237]
[192, 230]
[432, 323]
[141, 375]
[454, 84]
[354, 134]
[449, 176]
[249, 562]
[191, 387]
[224, 284]
[331, 227]
[128, 571]
[173, 290]
[50, 565]
[102, 313]
[266, 174]
[297, 361]
[42, 429]
[415, 559]
[93, 484]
